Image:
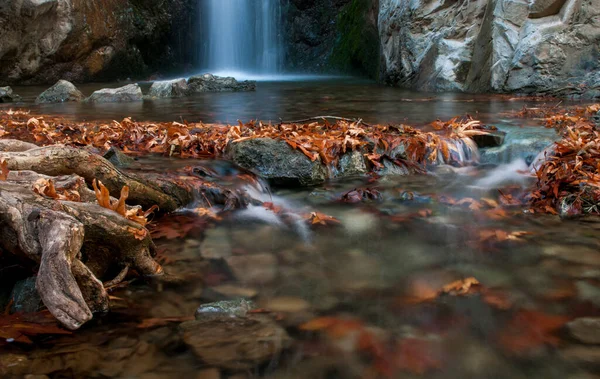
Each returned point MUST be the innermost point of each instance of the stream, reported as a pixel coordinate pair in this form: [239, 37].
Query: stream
[374, 276]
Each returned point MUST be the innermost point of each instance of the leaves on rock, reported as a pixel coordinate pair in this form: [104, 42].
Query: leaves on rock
[46, 187]
[316, 218]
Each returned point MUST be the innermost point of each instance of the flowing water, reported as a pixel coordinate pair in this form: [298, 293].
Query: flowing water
[382, 266]
[242, 37]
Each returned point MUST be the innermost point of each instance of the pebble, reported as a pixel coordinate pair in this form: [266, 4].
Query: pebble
[253, 269]
[583, 355]
[586, 329]
[575, 254]
[286, 304]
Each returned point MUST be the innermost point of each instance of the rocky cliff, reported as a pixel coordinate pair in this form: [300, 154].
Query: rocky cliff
[85, 40]
[530, 46]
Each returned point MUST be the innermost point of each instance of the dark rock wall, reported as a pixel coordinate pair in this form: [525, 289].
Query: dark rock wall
[332, 36]
[89, 40]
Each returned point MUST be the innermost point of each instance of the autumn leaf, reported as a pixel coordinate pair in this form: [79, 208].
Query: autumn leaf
[22, 327]
[158, 322]
[4, 170]
[529, 330]
[317, 218]
[136, 215]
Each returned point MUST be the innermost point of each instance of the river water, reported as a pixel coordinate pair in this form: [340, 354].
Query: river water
[384, 265]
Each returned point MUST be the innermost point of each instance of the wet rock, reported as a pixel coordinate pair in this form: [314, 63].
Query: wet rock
[392, 169]
[128, 93]
[211, 83]
[253, 269]
[582, 355]
[276, 161]
[586, 329]
[353, 164]
[7, 95]
[115, 156]
[226, 308]
[235, 343]
[574, 254]
[61, 92]
[588, 292]
[596, 119]
[169, 88]
[25, 297]
[493, 139]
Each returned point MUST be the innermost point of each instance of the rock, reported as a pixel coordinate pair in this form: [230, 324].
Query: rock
[582, 355]
[25, 297]
[169, 88]
[227, 308]
[285, 304]
[526, 149]
[62, 91]
[276, 161]
[352, 164]
[574, 254]
[493, 139]
[131, 92]
[235, 343]
[253, 269]
[392, 169]
[216, 244]
[47, 40]
[588, 292]
[115, 156]
[211, 83]
[7, 95]
[586, 330]
[596, 119]
[504, 45]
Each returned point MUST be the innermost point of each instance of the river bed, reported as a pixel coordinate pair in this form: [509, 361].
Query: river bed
[376, 280]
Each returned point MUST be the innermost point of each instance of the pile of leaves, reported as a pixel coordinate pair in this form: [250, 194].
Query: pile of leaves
[568, 179]
[448, 142]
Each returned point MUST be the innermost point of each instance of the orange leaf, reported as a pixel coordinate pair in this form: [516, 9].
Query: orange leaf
[4, 170]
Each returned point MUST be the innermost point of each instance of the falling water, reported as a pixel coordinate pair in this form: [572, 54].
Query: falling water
[242, 36]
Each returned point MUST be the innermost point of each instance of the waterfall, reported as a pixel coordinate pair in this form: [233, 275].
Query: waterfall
[241, 37]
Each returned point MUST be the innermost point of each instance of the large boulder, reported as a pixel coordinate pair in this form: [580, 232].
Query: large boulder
[276, 161]
[128, 93]
[211, 83]
[538, 46]
[169, 88]
[80, 40]
[63, 91]
[7, 95]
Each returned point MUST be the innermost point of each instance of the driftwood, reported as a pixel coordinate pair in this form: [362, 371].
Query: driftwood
[79, 244]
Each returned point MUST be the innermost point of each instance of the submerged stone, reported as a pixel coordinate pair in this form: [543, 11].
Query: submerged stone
[25, 296]
[7, 95]
[493, 139]
[225, 308]
[61, 92]
[235, 343]
[586, 329]
[128, 93]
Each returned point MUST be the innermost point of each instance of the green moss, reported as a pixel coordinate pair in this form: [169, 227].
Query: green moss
[357, 47]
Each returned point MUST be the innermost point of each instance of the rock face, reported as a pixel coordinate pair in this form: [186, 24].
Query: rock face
[211, 83]
[61, 92]
[277, 161]
[131, 92]
[338, 35]
[169, 88]
[85, 40]
[7, 95]
[535, 46]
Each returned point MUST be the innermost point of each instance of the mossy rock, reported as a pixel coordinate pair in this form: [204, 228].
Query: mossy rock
[357, 48]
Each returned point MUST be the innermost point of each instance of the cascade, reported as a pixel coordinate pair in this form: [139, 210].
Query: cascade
[241, 37]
